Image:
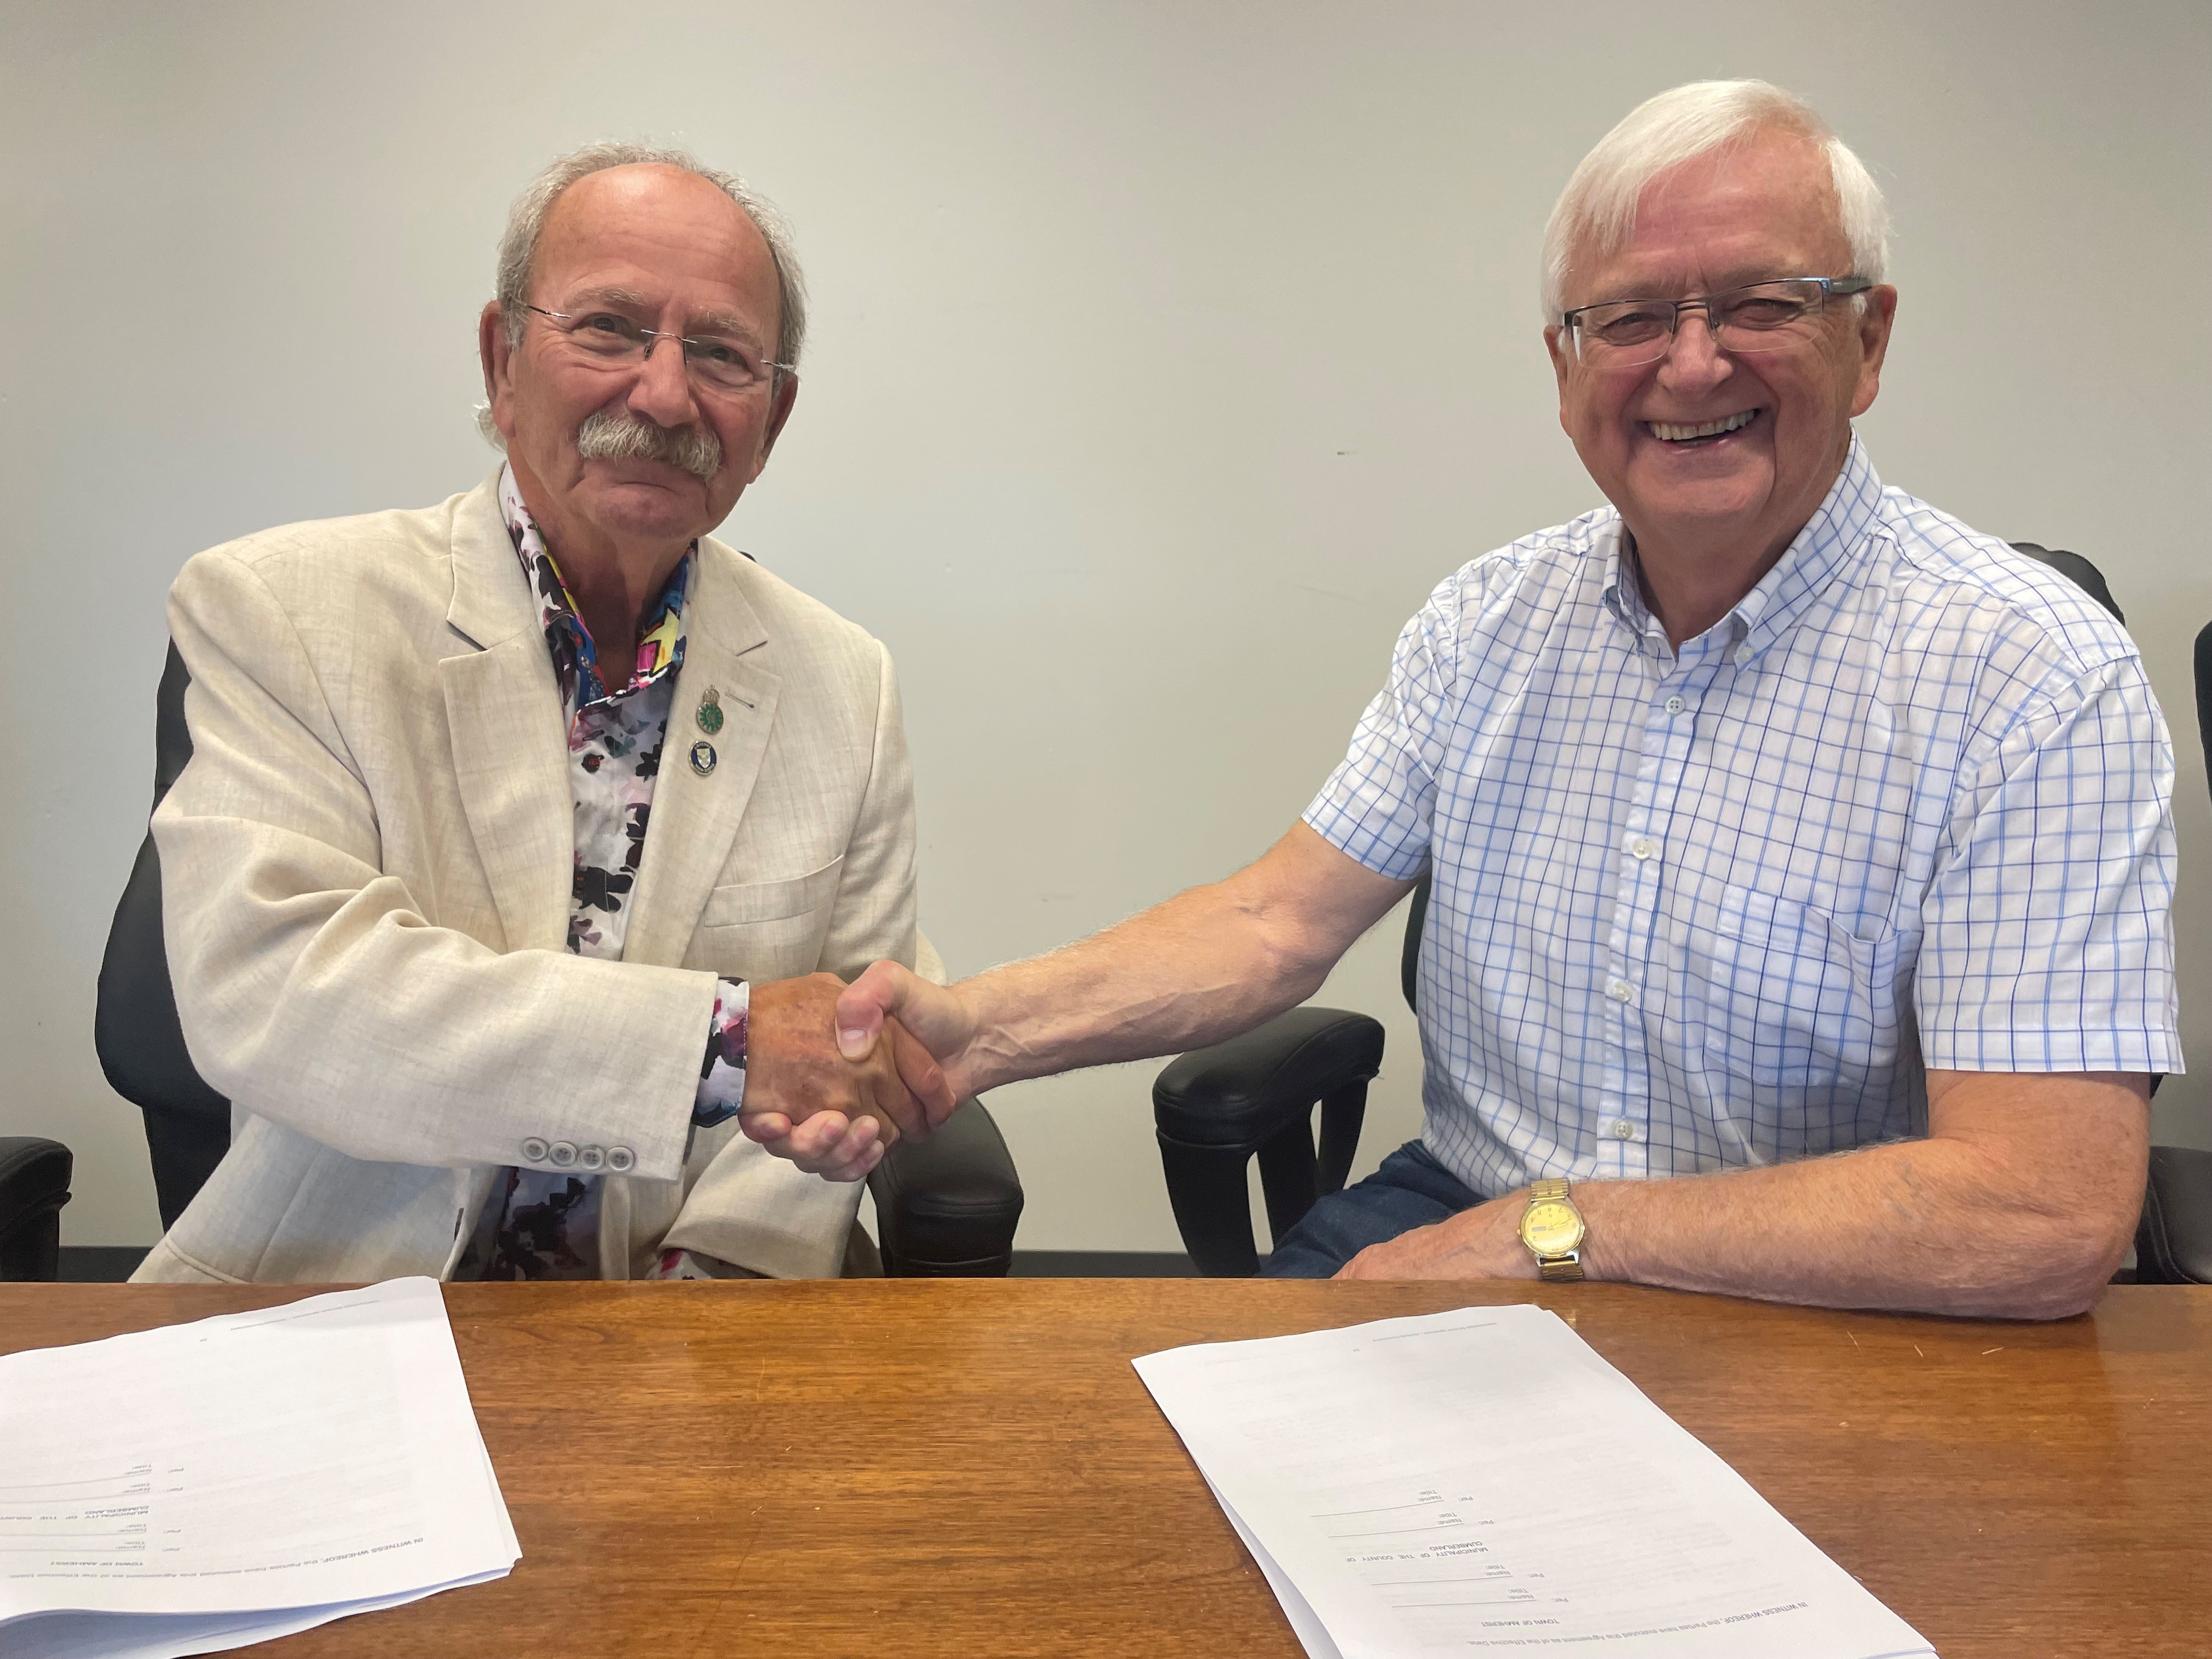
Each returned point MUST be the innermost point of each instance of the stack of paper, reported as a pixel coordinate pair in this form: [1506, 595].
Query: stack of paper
[198, 1488]
[1482, 1480]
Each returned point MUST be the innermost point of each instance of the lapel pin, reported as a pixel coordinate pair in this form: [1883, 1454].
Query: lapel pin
[702, 758]
[710, 716]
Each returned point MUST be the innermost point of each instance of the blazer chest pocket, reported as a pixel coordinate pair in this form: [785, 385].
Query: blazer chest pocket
[762, 930]
[751, 901]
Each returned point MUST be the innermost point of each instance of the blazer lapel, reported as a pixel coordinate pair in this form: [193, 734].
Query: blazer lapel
[696, 814]
[503, 715]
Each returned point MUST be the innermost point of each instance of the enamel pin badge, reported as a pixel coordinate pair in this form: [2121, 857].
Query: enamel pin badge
[702, 758]
[710, 714]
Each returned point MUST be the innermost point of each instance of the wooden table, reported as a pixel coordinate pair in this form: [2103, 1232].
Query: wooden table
[970, 1468]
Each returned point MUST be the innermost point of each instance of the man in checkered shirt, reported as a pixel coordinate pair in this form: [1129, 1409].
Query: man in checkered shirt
[1790, 841]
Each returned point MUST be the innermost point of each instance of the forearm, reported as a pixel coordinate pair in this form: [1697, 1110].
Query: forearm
[1936, 1226]
[1206, 964]
[1203, 966]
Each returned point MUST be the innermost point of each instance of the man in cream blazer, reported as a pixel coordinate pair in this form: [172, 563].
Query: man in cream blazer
[369, 863]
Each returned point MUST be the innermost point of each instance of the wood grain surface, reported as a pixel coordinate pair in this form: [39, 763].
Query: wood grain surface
[970, 1468]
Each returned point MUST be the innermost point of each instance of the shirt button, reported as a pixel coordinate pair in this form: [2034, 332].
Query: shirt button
[592, 1157]
[561, 1154]
[1642, 847]
[533, 1151]
[1620, 990]
[621, 1159]
[1675, 705]
[1622, 1129]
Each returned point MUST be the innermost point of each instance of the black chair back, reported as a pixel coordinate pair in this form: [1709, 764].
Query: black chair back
[2078, 570]
[2204, 696]
[135, 1027]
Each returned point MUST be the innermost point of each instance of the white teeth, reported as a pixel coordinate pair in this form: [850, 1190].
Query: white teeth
[1675, 435]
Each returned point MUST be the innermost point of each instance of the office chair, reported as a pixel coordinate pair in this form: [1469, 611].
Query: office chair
[1214, 1110]
[34, 1183]
[944, 1207]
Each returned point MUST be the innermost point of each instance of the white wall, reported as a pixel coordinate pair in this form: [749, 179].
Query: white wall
[1166, 355]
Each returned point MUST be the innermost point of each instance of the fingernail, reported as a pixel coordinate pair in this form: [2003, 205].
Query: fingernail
[851, 1043]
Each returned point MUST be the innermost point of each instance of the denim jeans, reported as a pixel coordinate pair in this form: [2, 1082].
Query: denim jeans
[1410, 1189]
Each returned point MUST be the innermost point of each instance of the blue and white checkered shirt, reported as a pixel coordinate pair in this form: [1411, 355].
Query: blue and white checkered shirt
[1907, 805]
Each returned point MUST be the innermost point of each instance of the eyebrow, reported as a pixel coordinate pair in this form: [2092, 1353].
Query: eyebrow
[708, 322]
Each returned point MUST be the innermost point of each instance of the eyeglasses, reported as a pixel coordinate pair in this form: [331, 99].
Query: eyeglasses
[726, 364]
[1757, 317]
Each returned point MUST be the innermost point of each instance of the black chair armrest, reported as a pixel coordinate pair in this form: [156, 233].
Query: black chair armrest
[946, 1207]
[34, 1181]
[2174, 1241]
[1213, 1108]
[1240, 1094]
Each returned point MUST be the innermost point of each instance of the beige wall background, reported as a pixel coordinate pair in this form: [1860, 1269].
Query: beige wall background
[1166, 355]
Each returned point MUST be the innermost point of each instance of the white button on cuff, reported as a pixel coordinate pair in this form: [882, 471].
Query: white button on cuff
[592, 1157]
[1620, 990]
[621, 1159]
[1644, 847]
[1675, 705]
[561, 1154]
[533, 1151]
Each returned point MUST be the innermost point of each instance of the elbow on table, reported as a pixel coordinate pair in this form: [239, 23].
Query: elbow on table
[2062, 1274]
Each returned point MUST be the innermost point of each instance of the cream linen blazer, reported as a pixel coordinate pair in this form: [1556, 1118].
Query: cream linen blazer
[366, 876]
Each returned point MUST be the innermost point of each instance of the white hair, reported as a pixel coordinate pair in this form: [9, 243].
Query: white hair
[1596, 212]
[525, 228]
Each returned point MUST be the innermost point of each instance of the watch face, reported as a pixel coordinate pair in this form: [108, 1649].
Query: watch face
[1550, 1226]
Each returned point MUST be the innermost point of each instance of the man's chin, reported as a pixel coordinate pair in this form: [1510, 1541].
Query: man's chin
[671, 508]
[1722, 492]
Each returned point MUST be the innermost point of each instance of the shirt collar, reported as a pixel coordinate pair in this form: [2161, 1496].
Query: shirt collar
[1813, 559]
[576, 656]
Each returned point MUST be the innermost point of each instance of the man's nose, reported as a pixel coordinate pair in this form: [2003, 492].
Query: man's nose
[1694, 360]
[663, 392]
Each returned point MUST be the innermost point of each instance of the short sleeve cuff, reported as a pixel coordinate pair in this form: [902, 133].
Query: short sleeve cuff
[2148, 1050]
[1394, 844]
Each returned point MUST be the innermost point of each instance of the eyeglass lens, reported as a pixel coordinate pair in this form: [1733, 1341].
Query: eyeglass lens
[1761, 317]
[726, 364]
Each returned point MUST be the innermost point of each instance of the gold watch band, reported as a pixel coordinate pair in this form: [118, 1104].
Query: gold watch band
[1551, 1188]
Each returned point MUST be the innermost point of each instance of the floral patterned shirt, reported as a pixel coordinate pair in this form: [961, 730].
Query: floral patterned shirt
[543, 1223]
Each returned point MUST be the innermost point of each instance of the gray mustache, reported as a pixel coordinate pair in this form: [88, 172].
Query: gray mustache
[619, 435]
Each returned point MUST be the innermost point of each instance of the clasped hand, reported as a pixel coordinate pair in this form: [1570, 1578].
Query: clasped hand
[834, 1100]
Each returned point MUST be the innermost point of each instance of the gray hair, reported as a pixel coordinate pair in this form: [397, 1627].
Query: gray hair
[1596, 212]
[525, 228]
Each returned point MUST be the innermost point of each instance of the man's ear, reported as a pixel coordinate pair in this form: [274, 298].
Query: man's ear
[496, 355]
[1874, 325]
[786, 394]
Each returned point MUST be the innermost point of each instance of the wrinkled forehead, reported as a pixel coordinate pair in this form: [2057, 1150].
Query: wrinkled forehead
[657, 233]
[1767, 208]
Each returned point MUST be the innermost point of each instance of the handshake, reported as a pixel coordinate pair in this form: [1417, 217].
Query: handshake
[834, 1075]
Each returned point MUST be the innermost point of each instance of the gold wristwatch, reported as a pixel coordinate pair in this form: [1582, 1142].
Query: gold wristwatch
[1553, 1230]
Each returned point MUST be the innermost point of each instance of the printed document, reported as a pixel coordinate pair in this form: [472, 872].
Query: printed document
[203, 1486]
[1481, 1482]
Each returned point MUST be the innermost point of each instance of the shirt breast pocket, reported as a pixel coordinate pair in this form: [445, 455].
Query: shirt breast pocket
[1795, 1000]
[760, 930]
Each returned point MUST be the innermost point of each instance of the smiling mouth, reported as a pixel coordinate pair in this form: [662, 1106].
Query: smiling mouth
[1667, 432]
